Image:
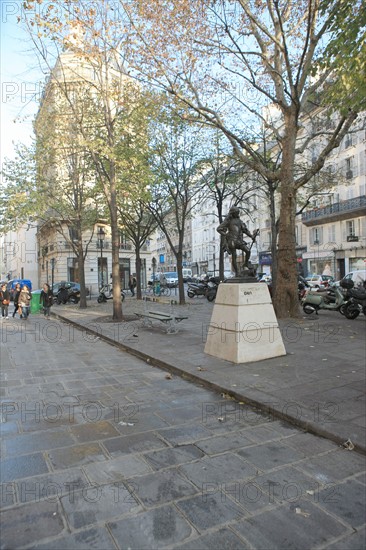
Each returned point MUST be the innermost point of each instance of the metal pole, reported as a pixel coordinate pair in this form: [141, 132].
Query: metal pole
[52, 272]
[101, 262]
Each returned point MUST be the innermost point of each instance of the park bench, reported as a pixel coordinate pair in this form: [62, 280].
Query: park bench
[169, 319]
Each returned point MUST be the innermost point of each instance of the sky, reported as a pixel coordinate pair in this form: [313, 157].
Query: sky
[21, 80]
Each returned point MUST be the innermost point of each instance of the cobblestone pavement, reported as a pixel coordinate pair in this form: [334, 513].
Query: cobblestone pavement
[102, 450]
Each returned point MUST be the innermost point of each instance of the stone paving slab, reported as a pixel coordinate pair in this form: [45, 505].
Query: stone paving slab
[32, 522]
[289, 527]
[96, 538]
[154, 529]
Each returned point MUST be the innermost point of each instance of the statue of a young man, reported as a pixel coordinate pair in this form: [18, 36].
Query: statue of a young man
[233, 230]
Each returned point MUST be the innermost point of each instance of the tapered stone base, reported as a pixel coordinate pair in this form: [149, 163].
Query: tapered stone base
[243, 326]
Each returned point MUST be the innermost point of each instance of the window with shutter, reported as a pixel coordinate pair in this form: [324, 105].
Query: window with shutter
[349, 168]
[362, 226]
[331, 233]
[344, 231]
[316, 235]
[350, 228]
[350, 193]
[361, 158]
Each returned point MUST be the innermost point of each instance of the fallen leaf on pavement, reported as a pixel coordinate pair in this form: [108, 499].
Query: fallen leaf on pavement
[348, 445]
[299, 511]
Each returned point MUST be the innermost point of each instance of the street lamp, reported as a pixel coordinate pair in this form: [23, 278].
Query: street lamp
[101, 235]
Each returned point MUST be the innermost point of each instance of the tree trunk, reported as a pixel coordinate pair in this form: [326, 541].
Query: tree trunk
[272, 210]
[286, 302]
[81, 269]
[116, 282]
[179, 257]
[138, 274]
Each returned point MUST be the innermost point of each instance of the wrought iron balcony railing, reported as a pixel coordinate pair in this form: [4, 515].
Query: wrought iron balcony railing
[338, 210]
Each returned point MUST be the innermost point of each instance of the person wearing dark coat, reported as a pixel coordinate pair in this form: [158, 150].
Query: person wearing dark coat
[46, 299]
[5, 301]
[131, 285]
[16, 299]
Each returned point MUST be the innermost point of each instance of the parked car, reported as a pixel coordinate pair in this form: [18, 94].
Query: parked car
[265, 279]
[358, 277]
[13, 282]
[187, 274]
[319, 281]
[160, 277]
[171, 278]
[209, 274]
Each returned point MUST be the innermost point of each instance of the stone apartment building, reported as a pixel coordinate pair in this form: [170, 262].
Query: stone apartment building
[57, 255]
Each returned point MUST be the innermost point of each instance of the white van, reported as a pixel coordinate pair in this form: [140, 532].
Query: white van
[358, 277]
[187, 274]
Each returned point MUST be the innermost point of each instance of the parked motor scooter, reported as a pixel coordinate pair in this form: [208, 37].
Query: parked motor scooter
[213, 285]
[197, 289]
[356, 303]
[332, 299]
[302, 287]
[106, 293]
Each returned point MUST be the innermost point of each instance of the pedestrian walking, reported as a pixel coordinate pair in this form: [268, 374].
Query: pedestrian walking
[16, 300]
[5, 301]
[131, 285]
[25, 297]
[46, 299]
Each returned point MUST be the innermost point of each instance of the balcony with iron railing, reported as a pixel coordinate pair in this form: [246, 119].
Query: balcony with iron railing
[351, 208]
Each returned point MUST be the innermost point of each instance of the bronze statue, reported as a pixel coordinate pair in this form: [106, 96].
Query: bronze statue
[233, 230]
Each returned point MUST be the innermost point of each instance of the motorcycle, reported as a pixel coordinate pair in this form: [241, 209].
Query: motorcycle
[332, 299]
[67, 296]
[302, 287]
[197, 289]
[106, 293]
[356, 303]
[213, 285]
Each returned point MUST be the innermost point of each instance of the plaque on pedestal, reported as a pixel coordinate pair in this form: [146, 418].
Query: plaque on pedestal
[243, 326]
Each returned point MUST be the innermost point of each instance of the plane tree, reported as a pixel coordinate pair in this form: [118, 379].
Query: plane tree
[176, 164]
[238, 65]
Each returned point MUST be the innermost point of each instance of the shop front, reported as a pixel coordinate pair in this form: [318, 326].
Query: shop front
[319, 263]
[265, 262]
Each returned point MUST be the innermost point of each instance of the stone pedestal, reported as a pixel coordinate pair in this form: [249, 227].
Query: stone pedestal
[243, 326]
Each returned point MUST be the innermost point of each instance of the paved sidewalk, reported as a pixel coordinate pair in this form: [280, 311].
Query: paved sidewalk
[100, 450]
[319, 385]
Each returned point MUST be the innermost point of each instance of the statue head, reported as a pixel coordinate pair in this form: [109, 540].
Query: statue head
[234, 212]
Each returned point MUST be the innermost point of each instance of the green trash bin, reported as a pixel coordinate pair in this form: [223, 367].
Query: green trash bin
[35, 306]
